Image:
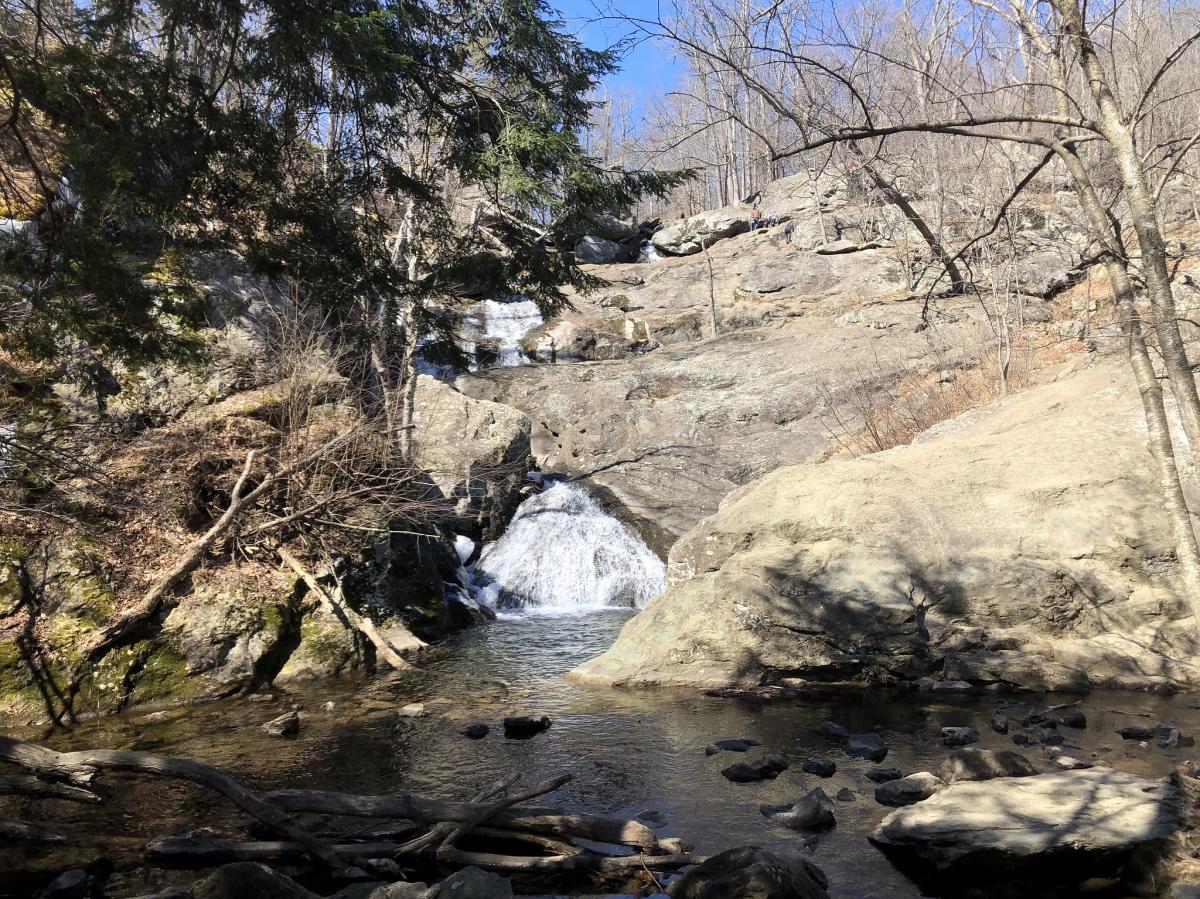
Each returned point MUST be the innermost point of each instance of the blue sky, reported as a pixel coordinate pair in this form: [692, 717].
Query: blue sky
[645, 68]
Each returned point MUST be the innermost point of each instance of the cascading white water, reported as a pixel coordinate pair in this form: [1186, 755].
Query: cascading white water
[563, 551]
[504, 323]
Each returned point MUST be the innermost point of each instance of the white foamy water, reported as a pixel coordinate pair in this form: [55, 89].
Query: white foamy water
[502, 323]
[563, 552]
[647, 252]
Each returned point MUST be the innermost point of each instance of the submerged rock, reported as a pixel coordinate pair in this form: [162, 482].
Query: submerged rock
[813, 812]
[767, 768]
[522, 727]
[819, 767]
[883, 775]
[285, 725]
[908, 790]
[735, 745]
[241, 880]
[1083, 820]
[984, 764]
[959, 736]
[866, 746]
[476, 731]
[751, 873]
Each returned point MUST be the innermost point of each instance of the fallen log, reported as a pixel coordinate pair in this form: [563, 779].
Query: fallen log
[496, 807]
[82, 766]
[33, 833]
[45, 789]
[440, 830]
[203, 852]
[423, 809]
[584, 861]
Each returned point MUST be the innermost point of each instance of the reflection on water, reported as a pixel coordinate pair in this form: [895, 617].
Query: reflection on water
[631, 751]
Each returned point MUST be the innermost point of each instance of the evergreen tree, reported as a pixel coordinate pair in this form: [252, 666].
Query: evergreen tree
[329, 141]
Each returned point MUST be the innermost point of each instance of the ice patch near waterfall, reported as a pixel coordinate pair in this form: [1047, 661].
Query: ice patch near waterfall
[503, 324]
[562, 551]
[464, 547]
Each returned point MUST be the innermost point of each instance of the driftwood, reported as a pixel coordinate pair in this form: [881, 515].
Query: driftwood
[33, 833]
[82, 766]
[541, 819]
[45, 789]
[496, 817]
[338, 609]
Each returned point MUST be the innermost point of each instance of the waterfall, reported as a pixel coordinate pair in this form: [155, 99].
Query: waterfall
[648, 253]
[563, 551]
[502, 324]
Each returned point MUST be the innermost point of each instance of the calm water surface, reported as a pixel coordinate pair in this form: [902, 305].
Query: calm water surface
[631, 751]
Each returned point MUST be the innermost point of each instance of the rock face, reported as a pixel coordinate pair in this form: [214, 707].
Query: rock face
[475, 452]
[751, 873]
[1094, 818]
[671, 420]
[691, 235]
[1034, 520]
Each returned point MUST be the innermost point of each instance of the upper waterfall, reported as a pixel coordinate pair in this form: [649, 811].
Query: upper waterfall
[562, 550]
[501, 323]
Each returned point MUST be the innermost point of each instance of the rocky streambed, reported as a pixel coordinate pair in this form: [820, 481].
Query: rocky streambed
[638, 754]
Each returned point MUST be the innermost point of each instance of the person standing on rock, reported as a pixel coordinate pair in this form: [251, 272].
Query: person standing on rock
[755, 219]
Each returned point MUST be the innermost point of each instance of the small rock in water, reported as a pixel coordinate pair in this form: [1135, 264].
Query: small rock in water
[883, 775]
[999, 723]
[329, 706]
[1174, 738]
[675, 845]
[651, 816]
[952, 686]
[284, 726]
[730, 746]
[751, 871]
[260, 697]
[845, 794]
[766, 768]
[1071, 764]
[866, 746]
[474, 883]
[819, 767]
[959, 736]
[476, 731]
[522, 727]
[1136, 732]
[155, 718]
[836, 731]
[813, 812]
[412, 710]
[908, 790]
[973, 763]
[1073, 718]
[73, 884]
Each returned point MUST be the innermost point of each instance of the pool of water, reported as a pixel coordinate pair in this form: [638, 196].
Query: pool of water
[631, 752]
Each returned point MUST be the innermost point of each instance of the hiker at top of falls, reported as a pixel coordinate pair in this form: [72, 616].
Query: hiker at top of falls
[755, 219]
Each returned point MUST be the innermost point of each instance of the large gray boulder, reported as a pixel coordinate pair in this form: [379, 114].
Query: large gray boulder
[692, 235]
[751, 873]
[475, 452]
[1036, 519]
[1095, 817]
[593, 250]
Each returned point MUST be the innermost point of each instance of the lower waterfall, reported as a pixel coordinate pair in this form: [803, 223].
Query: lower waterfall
[563, 551]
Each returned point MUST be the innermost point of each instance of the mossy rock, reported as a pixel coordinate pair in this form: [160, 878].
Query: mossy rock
[163, 677]
[327, 647]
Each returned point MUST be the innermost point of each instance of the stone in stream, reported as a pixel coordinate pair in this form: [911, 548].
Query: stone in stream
[1067, 763]
[285, 725]
[973, 763]
[819, 767]
[883, 775]
[751, 873]
[836, 731]
[412, 710]
[244, 879]
[1136, 732]
[999, 723]
[959, 736]
[845, 794]
[766, 768]
[73, 884]
[1060, 825]
[730, 746]
[813, 812]
[476, 731]
[866, 746]
[522, 727]
[1073, 718]
[1174, 738]
[908, 790]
